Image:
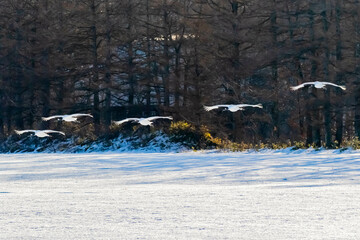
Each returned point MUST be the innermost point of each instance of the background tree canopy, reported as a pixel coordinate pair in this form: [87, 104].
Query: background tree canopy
[136, 58]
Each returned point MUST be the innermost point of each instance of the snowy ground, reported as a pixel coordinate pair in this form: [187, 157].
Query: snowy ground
[198, 195]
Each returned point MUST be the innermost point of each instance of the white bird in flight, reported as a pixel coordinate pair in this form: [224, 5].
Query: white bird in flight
[143, 121]
[67, 118]
[232, 107]
[39, 133]
[317, 85]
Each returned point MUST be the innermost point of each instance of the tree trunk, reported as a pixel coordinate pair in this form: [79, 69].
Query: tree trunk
[339, 110]
[108, 83]
[150, 74]
[357, 76]
[327, 104]
[177, 79]
[274, 69]
[166, 56]
[316, 135]
[95, 69]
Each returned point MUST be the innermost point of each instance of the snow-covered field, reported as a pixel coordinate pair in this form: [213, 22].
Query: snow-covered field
[196, 195]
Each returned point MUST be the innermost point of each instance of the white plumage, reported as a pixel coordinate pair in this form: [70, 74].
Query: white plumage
[39, 133]
[232, 107]
[67, 118]
[317, 84]
[142, 121]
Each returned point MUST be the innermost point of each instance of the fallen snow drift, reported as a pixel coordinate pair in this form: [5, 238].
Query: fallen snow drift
[151, 142]
[197, 195]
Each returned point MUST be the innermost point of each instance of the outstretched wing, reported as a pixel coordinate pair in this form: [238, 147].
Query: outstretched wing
[126, 120]
[335, 85]
[209, 108]
[52, 117]
[23, 131]
[258, 105]
[250, 105]
[159, 117]
[76, 115]
[53, 131]
[294, 88]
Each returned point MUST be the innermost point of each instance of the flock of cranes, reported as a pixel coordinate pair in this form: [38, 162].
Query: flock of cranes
[74, 118]
[149, 121]
[45, 133]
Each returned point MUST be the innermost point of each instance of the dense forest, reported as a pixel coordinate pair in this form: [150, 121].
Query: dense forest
[136, 58]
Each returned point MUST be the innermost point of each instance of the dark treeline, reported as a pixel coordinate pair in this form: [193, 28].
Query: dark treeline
[134, 58]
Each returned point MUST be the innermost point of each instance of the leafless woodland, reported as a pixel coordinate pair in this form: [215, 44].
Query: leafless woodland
[133, 58]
